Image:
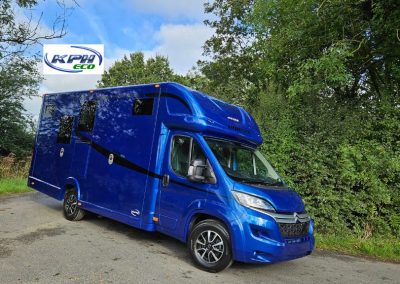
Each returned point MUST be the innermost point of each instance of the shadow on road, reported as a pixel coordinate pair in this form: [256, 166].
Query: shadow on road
[155, 241]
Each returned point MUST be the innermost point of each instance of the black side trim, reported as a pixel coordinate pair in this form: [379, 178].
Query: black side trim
[123, 162]
[129, 165]
[169, 95]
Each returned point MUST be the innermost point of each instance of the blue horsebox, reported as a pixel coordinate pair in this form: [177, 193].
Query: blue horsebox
[162, 157]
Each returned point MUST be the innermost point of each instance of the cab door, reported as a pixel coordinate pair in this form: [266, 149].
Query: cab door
[177, 192]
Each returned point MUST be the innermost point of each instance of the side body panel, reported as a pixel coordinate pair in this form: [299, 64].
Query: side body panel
[52, 159]
[118, 189]
[118, 169]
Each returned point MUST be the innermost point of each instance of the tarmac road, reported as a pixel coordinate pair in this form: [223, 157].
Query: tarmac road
[37, 245]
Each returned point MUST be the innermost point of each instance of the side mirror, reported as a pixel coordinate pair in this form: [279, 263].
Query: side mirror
[200, 172]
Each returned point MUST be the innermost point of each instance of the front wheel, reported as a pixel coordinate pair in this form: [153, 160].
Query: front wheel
[209, 246]
[72, 212]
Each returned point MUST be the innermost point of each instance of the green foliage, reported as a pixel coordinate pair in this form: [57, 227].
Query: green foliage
[322, 80]
[13, 168]
[19, 79]
[19, 76]
[134, 69]
[377, 247]
[15, 185]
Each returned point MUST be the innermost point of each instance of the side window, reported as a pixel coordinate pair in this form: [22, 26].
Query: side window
[64, 133]
[197, 154]
[87, 116]
[49, 110]
[143, 107]
[180, 155]
[183, 152]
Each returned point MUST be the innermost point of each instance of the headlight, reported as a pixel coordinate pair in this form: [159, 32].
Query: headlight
[252, 202]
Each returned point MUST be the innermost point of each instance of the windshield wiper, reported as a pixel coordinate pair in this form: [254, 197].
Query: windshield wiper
[256, 182]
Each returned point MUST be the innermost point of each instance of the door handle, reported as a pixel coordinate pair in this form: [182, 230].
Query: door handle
[165, 180]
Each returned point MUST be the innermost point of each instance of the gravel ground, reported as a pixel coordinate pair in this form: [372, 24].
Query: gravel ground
[37, 245]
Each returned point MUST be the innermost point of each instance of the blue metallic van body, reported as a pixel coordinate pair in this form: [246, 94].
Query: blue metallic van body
[130, 189]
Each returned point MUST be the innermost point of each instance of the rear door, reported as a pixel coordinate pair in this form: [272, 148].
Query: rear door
[43, 169]
[54, 144]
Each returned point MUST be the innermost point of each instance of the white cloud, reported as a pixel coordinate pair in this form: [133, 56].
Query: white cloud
[171, 9]
[182, 44]
[33, 106]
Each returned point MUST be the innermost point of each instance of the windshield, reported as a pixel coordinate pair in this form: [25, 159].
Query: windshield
[244, 164]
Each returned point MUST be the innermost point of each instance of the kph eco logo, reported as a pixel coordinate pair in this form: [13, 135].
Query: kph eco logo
[73, 59]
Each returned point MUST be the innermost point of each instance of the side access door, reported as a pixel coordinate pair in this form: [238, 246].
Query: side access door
[179, 193]
[82, 146]
[122, 145]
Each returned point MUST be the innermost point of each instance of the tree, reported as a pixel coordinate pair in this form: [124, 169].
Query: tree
[19, 76]
[18, 81]
[134, 69]
[17, 36]
[322, 79]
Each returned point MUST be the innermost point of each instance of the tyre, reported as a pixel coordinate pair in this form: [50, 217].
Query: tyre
[70, 206]
[210, 246]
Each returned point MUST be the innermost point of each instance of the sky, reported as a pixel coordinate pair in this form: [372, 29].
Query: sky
[172, 28]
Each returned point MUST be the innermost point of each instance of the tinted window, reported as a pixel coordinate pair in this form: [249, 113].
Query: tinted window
[64, 133]
[86, 118]
[49, 110]
[143, 107]
[180, 155]
[185, 150]
[197, 153]
[244, 164]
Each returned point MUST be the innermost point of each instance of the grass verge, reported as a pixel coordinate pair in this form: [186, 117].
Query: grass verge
[13, 185]
[379, 248]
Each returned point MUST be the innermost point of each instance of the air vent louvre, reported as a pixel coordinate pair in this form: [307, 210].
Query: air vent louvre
[239, 129]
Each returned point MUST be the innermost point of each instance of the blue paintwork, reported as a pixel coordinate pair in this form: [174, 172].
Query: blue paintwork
[141, 146]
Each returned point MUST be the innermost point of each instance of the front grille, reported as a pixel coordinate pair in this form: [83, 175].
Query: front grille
[290, 230]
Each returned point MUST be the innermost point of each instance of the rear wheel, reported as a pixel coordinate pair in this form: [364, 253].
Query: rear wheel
[209, 246]
[72, 212]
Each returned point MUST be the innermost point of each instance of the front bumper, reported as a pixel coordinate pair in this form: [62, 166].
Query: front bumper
[261, 240]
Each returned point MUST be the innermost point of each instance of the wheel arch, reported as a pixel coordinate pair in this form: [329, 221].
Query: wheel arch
[199, 216]
[70, 183]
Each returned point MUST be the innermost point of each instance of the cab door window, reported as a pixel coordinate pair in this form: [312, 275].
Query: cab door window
[180, 155]
[184, 151]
